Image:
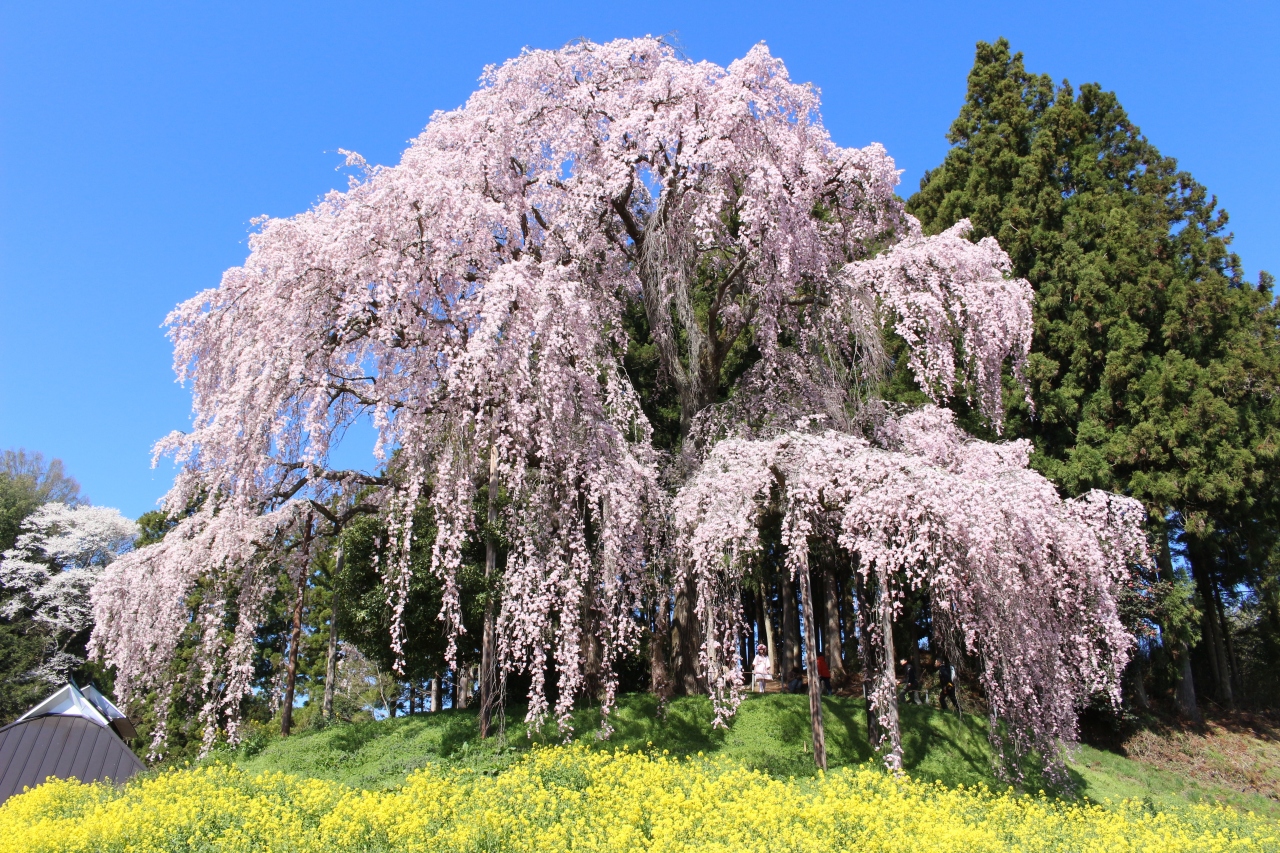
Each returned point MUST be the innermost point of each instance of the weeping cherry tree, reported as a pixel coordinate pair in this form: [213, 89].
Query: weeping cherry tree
[473, 303]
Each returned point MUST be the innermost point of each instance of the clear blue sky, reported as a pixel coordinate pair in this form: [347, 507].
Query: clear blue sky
[138, 140]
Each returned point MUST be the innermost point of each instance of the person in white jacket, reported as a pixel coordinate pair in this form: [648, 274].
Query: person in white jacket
[761, 669]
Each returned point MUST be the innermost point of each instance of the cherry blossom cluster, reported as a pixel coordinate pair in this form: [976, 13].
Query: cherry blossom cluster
[1020, 579]
[60, 553]
[141, 607]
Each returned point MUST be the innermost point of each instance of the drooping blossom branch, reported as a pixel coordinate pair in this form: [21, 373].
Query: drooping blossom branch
[1024, 581]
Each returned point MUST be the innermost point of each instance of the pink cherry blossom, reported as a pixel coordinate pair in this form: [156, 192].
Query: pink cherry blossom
[1019, 579]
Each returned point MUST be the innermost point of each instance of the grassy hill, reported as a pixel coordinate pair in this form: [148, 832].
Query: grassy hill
[771, 733]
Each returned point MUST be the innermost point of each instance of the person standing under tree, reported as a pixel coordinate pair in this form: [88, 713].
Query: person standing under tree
[761, 669]
[912, 690]
[947, 685]
[824, 673]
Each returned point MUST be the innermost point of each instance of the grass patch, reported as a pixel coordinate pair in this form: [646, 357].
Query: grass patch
[770, 734]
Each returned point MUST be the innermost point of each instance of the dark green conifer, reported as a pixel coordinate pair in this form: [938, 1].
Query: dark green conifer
[1155, 366]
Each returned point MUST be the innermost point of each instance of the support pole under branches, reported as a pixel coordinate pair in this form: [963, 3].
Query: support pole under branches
[331, 657]
[489, 639]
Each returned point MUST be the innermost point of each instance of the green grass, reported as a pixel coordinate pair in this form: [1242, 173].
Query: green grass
[1106, 775]
[769, 733]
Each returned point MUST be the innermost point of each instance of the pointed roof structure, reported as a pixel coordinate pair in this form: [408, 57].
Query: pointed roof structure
[73, 733]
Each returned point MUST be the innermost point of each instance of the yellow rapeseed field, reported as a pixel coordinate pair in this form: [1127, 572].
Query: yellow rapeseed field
[574, 798]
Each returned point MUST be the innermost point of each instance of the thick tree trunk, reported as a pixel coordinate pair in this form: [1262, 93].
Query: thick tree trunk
[770, 644]
[1138, 676]
[489, 635]
[811, 660]
[331, 656]
[1185, 689]
[832, 644]
[686, 641]
[1214, 645]
[295, 636]
[435, 693]
[592, 652]
[790, 626]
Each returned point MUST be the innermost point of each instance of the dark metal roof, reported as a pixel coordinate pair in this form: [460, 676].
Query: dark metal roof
[31, 750]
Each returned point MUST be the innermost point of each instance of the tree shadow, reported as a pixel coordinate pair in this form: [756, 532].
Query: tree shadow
[354, 736]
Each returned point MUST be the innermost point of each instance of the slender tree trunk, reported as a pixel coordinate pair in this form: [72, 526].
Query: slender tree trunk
[461, 688]
[767, 620]
[886, 680]
[1229, 647]
[790, 626]
[331, 657]
[1212, 631]
[811, 660]
[832, 645]
[848, 622]
[1185, 693]
[489, 638]
[295, 636]
[382, 689]
[659, 675]
[818, 613]
[867, 652]
[435, 693]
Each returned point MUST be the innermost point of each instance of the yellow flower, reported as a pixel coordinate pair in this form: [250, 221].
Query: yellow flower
[574, 798]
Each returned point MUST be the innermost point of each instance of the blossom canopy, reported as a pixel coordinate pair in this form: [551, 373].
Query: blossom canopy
[476, 302]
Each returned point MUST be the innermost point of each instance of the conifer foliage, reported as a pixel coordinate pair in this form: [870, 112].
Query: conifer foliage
[1155, 366]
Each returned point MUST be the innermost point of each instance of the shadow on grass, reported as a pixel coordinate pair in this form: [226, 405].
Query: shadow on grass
[769, 733]
[354, 736]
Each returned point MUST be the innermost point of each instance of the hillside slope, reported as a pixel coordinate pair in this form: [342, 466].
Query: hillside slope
[771, 733]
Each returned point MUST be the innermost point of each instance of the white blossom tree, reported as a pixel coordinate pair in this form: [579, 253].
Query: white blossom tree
[474, 301]
[60, 554]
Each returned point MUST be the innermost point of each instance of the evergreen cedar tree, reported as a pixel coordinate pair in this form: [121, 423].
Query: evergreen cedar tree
[477, 302]
[1154, 366]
